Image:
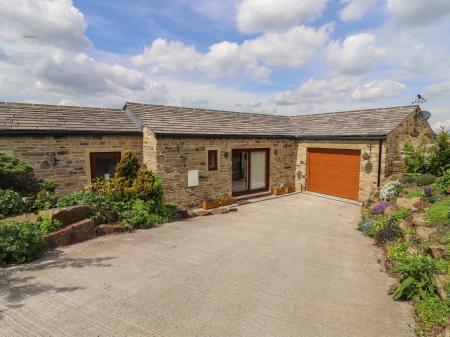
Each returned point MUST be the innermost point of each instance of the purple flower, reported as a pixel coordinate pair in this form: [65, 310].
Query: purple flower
[378, 208]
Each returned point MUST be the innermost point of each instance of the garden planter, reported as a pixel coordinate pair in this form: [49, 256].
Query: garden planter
[289, 189]
[226, 202]
[278, 191]
[210, 204]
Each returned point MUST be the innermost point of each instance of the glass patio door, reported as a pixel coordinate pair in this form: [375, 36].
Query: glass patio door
[250, 171]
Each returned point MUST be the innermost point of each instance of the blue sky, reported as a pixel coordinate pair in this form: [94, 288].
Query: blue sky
[282, 57]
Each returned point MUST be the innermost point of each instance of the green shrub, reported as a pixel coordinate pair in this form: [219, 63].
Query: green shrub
[376, 226]
[444, 182]
[408, 178]
[433, 312]
[98, 204]
[401, 214]
[20, 242]
[439, 212]
[416, 271]
[44, 200]
[11, 203]
[398, 250]
[47, 225]
[146, 186]
[425, 179]
[128, 167]
[415, 158]
[439, 158]
[140, 215]
[17, 175]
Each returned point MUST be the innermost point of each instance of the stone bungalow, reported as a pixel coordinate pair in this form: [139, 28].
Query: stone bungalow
[203, 153]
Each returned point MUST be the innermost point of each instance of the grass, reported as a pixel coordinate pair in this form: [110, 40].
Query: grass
[433, 312]
[439, 213]
[414, 194]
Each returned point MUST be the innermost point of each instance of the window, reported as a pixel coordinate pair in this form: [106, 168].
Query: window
[103, 164]
[212, 160]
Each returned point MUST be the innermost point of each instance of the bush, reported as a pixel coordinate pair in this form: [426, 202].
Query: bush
[415, 158]
[141, 216]
[365, 226]
[439, 158]
[425, 179]
[390, 232]
[17, 175]
[99, 205]
[376, 226]
[439, 213]
[128, 167]
[146, 186]
[444, 182]
[20, 242]
[433, 312]
[47, 225]
[391, 190]
[408, 178]
[11, 203]
[416, 271]
[44, 200]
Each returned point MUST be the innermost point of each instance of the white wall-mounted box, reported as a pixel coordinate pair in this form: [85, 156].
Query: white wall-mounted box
[192, 178]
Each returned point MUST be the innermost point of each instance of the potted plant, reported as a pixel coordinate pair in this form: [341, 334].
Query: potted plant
[289, 189]
[279, 189]
[225, 200]
[210, 202]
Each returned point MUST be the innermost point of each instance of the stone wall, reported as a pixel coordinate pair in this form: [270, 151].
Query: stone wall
[175, 156]
[369, 168]
[72, 169]
[412, 129]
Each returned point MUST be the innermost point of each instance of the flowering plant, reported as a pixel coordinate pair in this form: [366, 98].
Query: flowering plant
[378, 208]
[391, 190]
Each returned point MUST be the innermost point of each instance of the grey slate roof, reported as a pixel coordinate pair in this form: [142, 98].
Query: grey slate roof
[358, 123]
[370, 123]
[38, 119]
[168, 120]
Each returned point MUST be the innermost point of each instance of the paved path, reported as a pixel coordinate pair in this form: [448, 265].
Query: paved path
[291, 266]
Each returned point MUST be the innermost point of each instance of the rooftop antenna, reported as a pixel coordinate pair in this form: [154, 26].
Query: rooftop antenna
[419, 100]
[422, 115]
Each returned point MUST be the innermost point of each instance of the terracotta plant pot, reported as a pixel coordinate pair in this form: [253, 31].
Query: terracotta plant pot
[210, 204]
[226, 202]
[278, 191]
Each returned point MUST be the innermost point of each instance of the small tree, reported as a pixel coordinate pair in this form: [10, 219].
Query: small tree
[128, 167]
[415, 157]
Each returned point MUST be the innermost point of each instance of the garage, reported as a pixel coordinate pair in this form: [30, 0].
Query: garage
[334, 172]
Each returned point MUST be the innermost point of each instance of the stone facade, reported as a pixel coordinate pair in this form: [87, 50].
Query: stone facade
[175, 156]
[70, 167]
[369, 167]
[412, 129]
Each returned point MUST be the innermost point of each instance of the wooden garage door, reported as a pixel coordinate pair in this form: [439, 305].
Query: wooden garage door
[334, 172]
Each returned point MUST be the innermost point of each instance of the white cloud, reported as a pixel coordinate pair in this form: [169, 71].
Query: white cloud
[57, 22]
[227, 59]
[254, 16]
[379, 89]
[317, 91]
[357, 54]
[290, 49]
[355, 9]
[172, 56]
[81, 73]
[441, 124]
[417, 12]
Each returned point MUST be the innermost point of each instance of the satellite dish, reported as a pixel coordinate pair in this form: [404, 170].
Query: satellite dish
[424, 115]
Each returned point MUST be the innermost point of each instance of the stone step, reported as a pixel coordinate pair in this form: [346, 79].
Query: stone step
[67, 215]
[77, 232]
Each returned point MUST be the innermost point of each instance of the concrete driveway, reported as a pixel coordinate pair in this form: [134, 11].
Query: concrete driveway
[291, 266]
